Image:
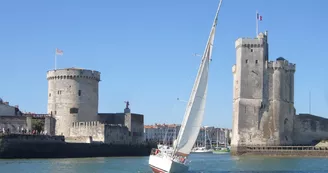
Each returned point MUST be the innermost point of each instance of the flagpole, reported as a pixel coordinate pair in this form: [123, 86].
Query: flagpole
[310, 101]
[257, 24]
[55, 60]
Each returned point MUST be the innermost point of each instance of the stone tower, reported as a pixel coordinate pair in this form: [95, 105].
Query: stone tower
[72, 97]
[263, 96]
[281, 97]
[250, 94]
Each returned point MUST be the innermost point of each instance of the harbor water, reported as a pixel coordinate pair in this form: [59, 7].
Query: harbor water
[200, 163]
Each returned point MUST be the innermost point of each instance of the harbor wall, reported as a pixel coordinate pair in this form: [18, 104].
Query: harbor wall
[285, 151]
[103, 133]
[91, 128]
[309, 129]
[43, 146]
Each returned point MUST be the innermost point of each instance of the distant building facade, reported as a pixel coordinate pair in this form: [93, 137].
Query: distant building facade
[167, 133]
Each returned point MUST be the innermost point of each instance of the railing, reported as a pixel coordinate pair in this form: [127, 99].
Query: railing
[281, 148]
[37, 115]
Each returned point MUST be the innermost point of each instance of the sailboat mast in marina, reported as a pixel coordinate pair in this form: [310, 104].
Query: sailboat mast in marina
[175, 162]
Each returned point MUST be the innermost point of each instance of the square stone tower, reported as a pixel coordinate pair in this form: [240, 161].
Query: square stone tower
[250, 94]
[263, 96]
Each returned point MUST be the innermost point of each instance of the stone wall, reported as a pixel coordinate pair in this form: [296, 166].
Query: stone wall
[117, 134]
[95, 131]
[14, 123]
[137, 128]
[309, 129]
[134, 123]
[43, 146]
[91, 128]
[50, 125]
[79, 139]
[111, 118]
[32, 138]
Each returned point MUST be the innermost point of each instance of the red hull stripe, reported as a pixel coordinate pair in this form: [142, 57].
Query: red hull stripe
[157, 170]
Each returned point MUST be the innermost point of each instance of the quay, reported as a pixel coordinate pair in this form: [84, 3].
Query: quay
[286, 151]
[20, 146]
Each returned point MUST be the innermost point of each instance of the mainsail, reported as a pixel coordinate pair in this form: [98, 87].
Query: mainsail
[196, 105]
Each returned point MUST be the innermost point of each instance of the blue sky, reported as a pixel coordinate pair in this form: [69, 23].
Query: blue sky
[143, 50]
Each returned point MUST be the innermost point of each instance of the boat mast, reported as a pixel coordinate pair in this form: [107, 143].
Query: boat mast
[205, 138]
[217, 138]
[225, 139]
[206, 55]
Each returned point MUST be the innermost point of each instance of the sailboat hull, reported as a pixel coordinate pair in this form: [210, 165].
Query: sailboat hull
[208, 151]
[164, 164]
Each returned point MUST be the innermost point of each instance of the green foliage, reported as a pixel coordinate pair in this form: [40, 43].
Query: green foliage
[37, 124]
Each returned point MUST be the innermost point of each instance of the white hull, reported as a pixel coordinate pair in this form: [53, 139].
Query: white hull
[164, 164]
[202, 151]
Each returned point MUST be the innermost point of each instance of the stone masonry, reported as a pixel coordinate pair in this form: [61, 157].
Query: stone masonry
[263, 100]
[72, 97]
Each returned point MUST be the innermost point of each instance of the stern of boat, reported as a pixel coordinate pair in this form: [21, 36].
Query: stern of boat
[162, 163]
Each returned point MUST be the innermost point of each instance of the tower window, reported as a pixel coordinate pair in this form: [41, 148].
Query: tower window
[74, 110]
[79, 92]
[256, 61]
[55, 112]
[251, 50]
[49, 94]
[246, 60]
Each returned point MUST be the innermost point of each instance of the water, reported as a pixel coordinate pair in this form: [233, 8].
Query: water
[200, 163]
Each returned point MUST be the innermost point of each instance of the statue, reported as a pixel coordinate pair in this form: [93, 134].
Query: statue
[127, 104]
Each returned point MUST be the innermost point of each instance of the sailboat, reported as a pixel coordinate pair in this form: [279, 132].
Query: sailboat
[202, 149]
[176, 162]
[221, 150]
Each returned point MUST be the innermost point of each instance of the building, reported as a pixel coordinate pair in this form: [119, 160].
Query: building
[263, 100]
[167, 133]
[73, 104]
[161, 133]
[8, 110]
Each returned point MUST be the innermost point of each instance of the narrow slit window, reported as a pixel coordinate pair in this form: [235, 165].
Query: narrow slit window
[256, 61]
[246, 61]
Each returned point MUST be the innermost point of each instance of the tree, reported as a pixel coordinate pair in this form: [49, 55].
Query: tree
[37, 124]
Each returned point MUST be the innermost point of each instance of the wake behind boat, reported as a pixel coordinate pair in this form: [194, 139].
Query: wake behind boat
[176, 162]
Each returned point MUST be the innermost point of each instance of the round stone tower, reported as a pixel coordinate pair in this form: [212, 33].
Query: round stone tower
[72, 97]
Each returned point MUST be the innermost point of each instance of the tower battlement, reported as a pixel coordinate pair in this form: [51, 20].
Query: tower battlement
[72, 97]
[257, 42]
[71, 73]
[281, 63]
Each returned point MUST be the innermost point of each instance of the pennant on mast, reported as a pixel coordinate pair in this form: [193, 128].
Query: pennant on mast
[58, 52]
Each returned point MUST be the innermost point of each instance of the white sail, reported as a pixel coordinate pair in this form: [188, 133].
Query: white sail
[196, 106]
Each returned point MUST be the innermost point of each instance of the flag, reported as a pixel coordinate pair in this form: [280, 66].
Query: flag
[59, 52]
[259, 17]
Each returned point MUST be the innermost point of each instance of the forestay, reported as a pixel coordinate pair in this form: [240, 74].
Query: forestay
[196, 105]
